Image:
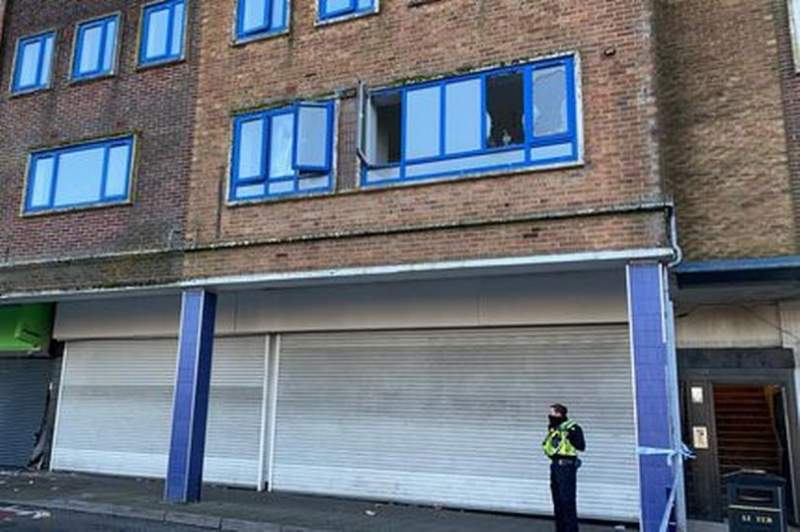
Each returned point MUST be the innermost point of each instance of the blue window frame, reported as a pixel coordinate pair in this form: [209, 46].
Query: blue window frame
[80, 175]
[334, 9]
[494, 120]
[162, 36]
[283, 152]
[33, 63]
[95, 48]
[259, 18]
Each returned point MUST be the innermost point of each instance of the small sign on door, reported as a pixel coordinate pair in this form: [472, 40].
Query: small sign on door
[697, 395]
[700, 437]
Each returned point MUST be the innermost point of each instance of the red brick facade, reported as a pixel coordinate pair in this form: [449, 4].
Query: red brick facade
[402, 42]
[156, 104]
[182, 115]
[724, 141]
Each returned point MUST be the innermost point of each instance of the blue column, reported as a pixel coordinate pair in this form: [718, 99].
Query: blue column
[652, 378]
[190, 401]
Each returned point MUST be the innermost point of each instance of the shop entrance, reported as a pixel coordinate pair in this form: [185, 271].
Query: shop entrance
[739, 412]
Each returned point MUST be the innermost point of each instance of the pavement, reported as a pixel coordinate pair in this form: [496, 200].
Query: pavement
[242, 510]
[22, 519]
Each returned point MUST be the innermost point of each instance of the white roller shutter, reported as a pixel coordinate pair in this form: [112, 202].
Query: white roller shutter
[116, 406]
[233, 435]
[455, 417]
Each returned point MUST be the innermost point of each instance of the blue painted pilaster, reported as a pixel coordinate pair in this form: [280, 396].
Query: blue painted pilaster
[190, 401]
[652, 378]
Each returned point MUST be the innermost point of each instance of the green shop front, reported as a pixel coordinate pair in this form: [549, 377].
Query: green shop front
[27, 369]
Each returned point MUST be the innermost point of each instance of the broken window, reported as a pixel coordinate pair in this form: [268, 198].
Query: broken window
[283, 151]
[505, 105]
[499, 119]
[550, 101]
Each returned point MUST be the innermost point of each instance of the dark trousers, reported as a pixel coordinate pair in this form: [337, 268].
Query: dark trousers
[563, 486]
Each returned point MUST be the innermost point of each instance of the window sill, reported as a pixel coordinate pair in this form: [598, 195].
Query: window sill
[86, 80]
[76, 208]
[560, 165]
[420, 3]
[161, 63]
[238, 42]
[300, 196]
[344, 18]
[28, 92]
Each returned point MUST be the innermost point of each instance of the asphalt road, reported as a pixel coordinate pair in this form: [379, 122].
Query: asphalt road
[24, 519]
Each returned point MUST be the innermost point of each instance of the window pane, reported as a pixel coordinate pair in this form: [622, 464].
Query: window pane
[364, 5]
[422, 123]
[79, 177]
[29, 63]
[117, 180]
[505, 109]
[337, 6]
[281, 187]
[251, 191]
[157, 29]
[280, 149]
[42, 181]
[312, 137]
[111, 43]
[254, 16]
[177, 30]
[90, 50]
[550, 101]
[278, 14]
[463, 116]
[251, 148]
[44, 79]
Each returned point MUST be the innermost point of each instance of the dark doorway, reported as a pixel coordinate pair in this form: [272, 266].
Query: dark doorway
[739, 412]
[751, 431]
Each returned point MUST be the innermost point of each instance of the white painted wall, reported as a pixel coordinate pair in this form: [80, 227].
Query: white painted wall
[553, 298]
[722, 326]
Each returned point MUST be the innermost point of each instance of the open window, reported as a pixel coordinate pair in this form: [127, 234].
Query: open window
[283, 151]
[380, 137]
[498, 119]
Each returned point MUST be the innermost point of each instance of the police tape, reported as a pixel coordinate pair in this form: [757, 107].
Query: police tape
[681, 453]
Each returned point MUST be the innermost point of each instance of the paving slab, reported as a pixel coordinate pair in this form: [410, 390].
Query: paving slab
[248, 510]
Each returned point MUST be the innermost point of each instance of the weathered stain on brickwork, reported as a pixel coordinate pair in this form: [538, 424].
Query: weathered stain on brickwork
[724, 138]
[596, 233]
[154, 103]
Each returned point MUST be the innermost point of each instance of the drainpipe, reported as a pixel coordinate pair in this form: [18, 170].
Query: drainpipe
[672, 357]
[673, 235]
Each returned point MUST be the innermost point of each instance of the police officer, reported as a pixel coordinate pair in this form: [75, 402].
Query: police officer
[563, 442]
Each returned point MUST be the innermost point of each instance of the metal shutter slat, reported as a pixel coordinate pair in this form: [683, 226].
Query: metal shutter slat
[116, 407]
[455, 417]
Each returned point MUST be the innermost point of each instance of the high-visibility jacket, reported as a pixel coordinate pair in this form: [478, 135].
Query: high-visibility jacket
[557, 441]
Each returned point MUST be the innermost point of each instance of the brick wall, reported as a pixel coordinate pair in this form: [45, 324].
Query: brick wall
[155, 103]
[183, 116]
[724, 135]
[613, 38]
[791, 99]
